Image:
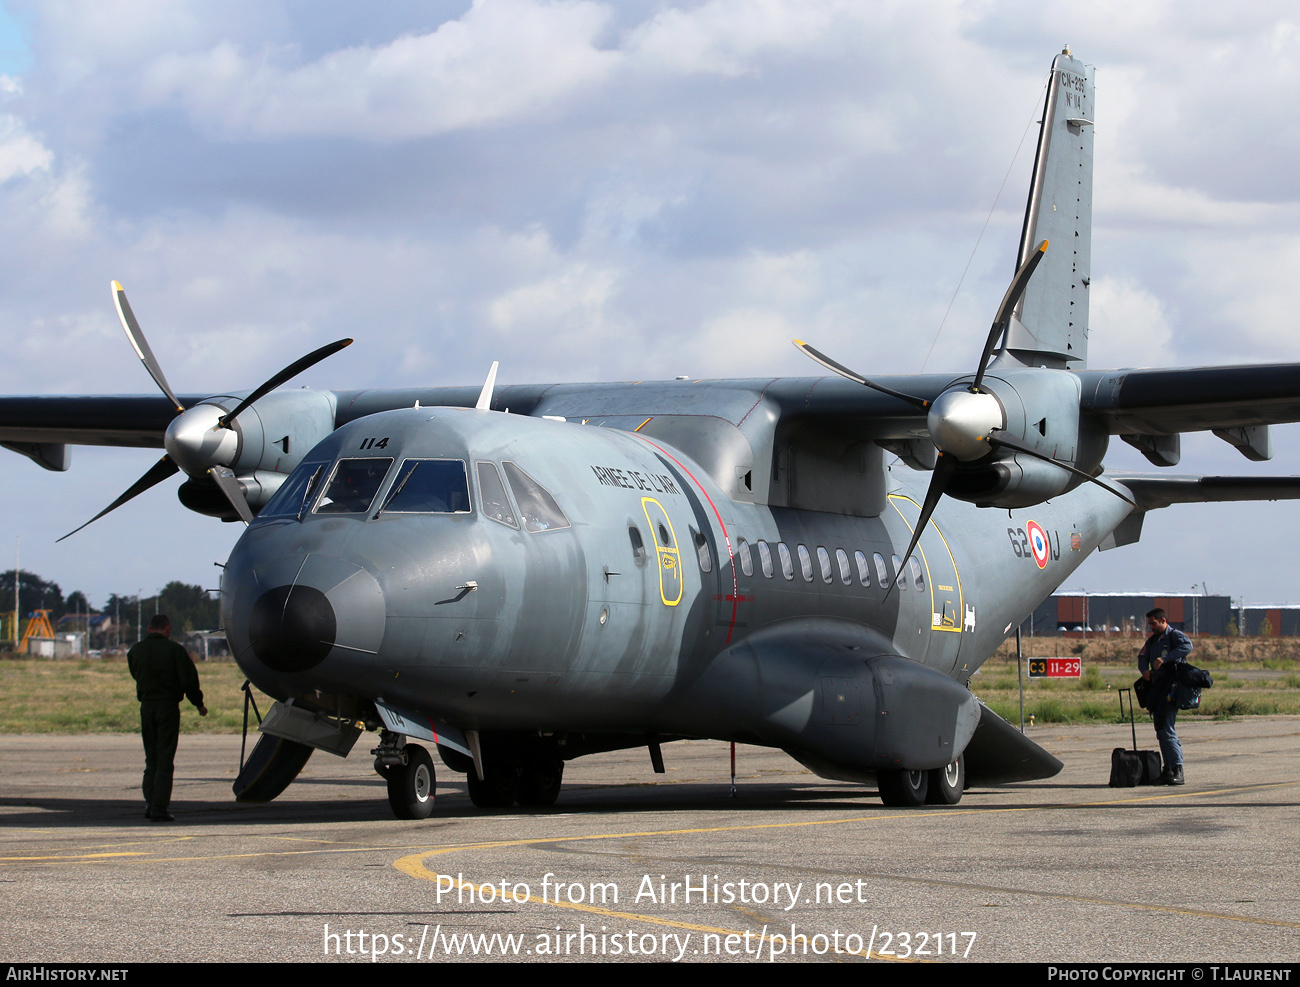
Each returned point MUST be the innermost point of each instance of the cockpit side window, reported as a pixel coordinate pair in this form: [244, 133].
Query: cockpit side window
[538, 508]
[353, 486]
[492, 496]
[429, 486]
[639, 554]
[288, 500]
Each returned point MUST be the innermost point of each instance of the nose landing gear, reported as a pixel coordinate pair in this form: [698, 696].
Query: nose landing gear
[409, 772]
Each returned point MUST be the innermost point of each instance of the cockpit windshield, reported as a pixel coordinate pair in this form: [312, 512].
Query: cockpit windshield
[429, 486]
[302, 483]
[353, 486]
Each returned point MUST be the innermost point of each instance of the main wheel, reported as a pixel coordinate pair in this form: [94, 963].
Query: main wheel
[906, 789]
[540, 783]
[410, 786]
[500, 786]
[947, 783]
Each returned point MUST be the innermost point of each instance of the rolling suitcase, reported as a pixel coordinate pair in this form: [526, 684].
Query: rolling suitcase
[1129, 768]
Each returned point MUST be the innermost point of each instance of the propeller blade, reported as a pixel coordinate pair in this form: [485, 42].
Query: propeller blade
[288, 373]
[224, 477]
[996, 439]
[835, 367]
[141, 347]
[944, 467]
[1009, 301]
[158, 472]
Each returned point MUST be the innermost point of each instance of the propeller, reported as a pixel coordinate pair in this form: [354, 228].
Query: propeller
[966, 422]
[199, 438]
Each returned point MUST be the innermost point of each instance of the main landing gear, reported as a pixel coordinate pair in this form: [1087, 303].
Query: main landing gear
[910, 789]
[533, 781]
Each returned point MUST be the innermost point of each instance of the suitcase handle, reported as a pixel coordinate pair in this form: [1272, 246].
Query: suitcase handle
[1132, 724]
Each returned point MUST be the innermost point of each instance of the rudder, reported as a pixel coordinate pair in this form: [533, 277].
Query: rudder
[1050, 325]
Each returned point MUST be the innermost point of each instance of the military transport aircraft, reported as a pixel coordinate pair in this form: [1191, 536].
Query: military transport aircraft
[524, 575]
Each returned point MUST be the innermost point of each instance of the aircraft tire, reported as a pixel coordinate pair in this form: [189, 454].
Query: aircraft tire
[947, 783]
[540, 784]
[411, 786]
[903, 789]
[500, 787]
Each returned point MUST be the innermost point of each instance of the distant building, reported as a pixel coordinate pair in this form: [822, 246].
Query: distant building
[1261, 620]
[1080, 614]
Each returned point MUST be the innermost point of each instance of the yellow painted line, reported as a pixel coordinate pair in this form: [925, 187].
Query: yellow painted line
[643, 424]
[75, 857]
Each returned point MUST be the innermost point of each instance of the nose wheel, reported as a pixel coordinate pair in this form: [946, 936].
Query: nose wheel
[411, 785]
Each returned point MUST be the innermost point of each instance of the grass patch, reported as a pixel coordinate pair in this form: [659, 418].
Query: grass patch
[43, 696]
[1071, 701]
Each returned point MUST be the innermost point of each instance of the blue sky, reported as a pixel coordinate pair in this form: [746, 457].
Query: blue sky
[640, 185]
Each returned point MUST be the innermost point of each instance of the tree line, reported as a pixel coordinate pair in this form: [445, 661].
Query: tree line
[190, 608]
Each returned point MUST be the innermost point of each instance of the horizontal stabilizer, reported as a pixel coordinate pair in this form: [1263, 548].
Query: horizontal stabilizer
[999, 753]
[1153, 491]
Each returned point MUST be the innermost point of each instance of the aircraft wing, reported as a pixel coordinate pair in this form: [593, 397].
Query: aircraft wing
[1164, 402]
[134, 420]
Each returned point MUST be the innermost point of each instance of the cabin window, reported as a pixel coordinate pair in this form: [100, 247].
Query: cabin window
[429, 486]
[824, 563]
[300, 485]
[900, 574]
[765, 558]
[842, 557]
[746, 563]
[492, 496]
[787, 564]
[864, 574]
[537, 508]
[918, 575]
[805, 563]
[702, 551]
[882, 574]
[639, 554]
[353, 486]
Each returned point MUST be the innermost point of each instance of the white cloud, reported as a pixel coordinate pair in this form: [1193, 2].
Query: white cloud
[1127, 325]
[20, 152]
[503, 60]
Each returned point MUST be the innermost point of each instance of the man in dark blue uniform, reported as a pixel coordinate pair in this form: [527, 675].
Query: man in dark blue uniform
[1164, 648]
[163, 673]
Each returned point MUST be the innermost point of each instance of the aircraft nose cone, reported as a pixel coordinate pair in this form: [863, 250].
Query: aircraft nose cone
[292, 628]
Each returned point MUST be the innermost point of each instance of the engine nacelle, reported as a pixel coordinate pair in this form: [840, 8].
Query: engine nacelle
[1039, 408]
[262, 447]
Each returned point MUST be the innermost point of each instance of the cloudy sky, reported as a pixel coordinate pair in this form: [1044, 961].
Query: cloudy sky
[652, 188]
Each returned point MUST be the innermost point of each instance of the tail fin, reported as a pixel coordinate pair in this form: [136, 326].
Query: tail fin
[1050, 325]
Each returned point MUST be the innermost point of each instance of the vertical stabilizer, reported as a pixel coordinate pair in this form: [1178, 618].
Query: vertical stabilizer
[1050, 325]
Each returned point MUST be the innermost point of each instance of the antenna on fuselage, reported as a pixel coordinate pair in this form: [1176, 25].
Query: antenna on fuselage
[485, 395]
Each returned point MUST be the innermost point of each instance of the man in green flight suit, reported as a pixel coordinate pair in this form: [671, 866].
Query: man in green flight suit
[163, 673]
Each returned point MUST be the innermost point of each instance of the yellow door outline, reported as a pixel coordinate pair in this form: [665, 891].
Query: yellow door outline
[670, 559]
[956, 628]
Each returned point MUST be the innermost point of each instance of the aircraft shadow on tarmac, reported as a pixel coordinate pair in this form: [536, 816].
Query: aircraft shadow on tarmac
[613, 800]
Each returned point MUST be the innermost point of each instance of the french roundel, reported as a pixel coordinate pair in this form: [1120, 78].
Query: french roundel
[1037, 543]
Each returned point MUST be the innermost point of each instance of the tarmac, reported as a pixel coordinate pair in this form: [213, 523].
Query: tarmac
[633, 865]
